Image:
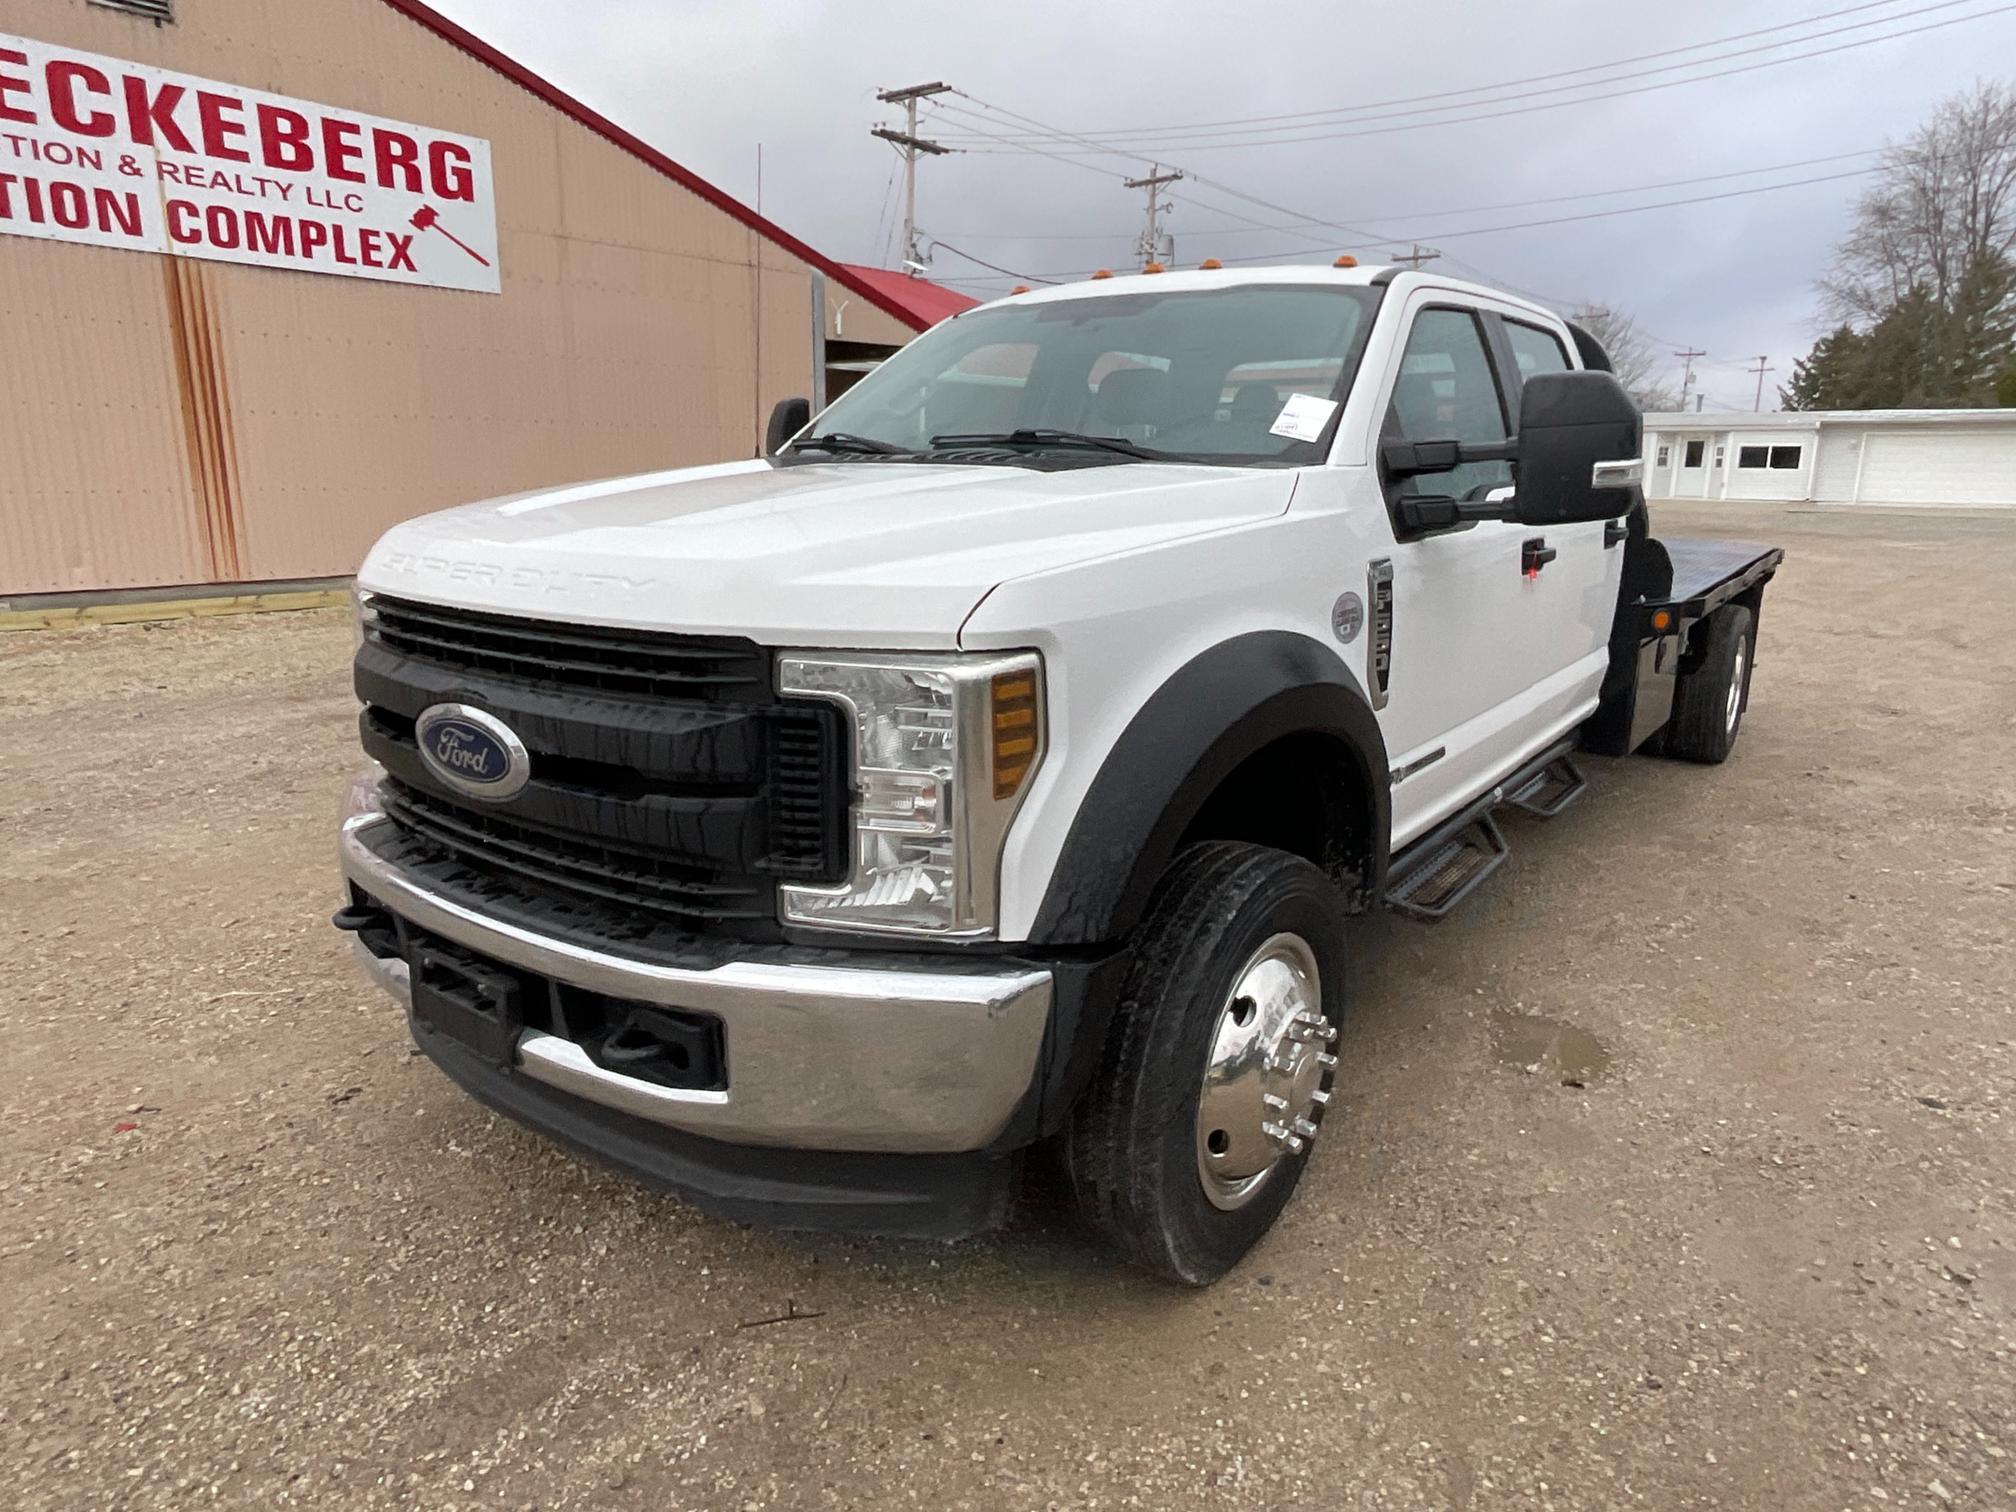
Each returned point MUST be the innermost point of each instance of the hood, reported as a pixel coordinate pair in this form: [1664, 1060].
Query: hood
[861, 554]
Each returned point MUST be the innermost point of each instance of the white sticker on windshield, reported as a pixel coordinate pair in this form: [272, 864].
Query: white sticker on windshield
[1303, 417]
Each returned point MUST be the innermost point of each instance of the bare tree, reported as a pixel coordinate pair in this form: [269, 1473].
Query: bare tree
[1635, 358]
[1943, 209]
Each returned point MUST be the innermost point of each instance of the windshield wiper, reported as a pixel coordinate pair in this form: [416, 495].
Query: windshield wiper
[846, 443]
[1035, 439]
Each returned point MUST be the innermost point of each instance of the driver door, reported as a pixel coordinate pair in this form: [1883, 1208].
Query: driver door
[1470, 658]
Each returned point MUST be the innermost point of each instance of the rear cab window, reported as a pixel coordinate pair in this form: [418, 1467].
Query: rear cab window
[1535, 350]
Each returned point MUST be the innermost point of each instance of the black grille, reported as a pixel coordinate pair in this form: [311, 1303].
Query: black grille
[666, 775]
[712, 668]
[619, 875]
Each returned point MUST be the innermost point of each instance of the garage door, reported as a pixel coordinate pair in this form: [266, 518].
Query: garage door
[1940, 467]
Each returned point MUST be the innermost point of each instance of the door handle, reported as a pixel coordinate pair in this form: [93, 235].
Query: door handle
[1536, 554]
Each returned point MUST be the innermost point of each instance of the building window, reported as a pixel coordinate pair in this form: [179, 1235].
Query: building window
[156, 11]
[1753, 456]
[1695, 451]
[1721, 454]
[1664, 453]
[1784, 458]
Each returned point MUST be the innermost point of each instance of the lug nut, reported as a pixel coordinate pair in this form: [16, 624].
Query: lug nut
[1326, 1060]
[1290, 1141]
[1278, 1103]
[1321, 1099]
[1305, 1128]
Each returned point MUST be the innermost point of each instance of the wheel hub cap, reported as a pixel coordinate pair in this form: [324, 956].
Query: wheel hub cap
[1263, 1094]
[1735, 706]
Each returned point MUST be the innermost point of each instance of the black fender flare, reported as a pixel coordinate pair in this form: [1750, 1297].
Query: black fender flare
[1216, 710]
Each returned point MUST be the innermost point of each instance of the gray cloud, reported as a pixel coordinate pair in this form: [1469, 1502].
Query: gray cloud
[709, 79]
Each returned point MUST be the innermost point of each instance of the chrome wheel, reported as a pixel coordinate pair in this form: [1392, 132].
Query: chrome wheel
[1735, 688]
[1262, 1096]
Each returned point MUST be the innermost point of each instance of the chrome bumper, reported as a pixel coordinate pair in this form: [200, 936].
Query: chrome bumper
[819, 1057]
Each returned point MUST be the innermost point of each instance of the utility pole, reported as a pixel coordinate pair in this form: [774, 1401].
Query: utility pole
[1151, 233]
[912, 146]
[1418, 256]
[1687, 381]
[1761, 371]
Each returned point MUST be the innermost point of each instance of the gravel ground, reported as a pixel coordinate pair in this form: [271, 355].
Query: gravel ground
[253, 1251]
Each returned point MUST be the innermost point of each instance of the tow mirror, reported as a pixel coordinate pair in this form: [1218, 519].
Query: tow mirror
[1581, 444]
[786, 420]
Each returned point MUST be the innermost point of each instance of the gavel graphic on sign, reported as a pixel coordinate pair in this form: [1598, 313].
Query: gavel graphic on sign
[427, 218]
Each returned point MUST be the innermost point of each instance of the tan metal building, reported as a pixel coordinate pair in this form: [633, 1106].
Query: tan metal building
[212, 412]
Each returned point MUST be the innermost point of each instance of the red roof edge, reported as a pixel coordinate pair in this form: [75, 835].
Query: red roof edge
[926, 301]
[461, 37]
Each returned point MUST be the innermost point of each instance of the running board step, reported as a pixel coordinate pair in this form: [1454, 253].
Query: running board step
[1433, 886]
[1551, 789]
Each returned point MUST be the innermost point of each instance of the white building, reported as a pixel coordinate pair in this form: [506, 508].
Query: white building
[1835, 456]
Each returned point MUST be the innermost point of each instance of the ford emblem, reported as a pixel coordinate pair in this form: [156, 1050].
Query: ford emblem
[473, 752]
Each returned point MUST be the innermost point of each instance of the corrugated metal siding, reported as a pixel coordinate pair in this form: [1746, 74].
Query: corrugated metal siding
[95, 470]
[190, 422]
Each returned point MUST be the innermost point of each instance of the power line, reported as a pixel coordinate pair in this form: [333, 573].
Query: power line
[882, 215]
[1003, 110]
[1589, 215]
[1699, 199]
[1589, 99]
[1332, 111]
[1416, 215]
[1004, 272]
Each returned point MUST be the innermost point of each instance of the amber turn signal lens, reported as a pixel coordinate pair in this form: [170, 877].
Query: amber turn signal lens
[1346, 261]
[1014, 731]
[1662, 619]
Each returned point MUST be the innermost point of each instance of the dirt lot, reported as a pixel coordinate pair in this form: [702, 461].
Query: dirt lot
[253, 1251]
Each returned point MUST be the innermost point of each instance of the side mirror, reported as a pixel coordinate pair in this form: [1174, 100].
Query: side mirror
[1581, 445]
[786, 420]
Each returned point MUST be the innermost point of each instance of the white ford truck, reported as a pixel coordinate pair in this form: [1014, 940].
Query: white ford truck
[999, 762]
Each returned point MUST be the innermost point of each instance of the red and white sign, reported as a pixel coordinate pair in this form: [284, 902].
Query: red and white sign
[117, 154]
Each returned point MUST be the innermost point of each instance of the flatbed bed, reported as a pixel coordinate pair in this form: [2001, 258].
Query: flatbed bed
[1670, 588]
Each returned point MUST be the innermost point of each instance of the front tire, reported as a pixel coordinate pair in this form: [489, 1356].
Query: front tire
[1218, 1065]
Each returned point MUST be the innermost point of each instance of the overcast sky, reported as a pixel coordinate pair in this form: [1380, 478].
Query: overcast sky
[706, 80]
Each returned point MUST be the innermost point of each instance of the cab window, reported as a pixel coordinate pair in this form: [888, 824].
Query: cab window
[1447, 391]
[1535, 350]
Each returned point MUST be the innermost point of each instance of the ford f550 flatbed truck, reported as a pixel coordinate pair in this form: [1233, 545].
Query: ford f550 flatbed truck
[998, 762]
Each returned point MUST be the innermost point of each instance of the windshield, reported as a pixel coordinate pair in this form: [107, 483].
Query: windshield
[1247, 375]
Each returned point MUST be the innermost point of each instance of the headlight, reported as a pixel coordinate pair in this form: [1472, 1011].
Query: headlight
[944, 749]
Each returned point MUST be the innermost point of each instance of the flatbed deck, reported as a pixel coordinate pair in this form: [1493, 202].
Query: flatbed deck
[1708, 573]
